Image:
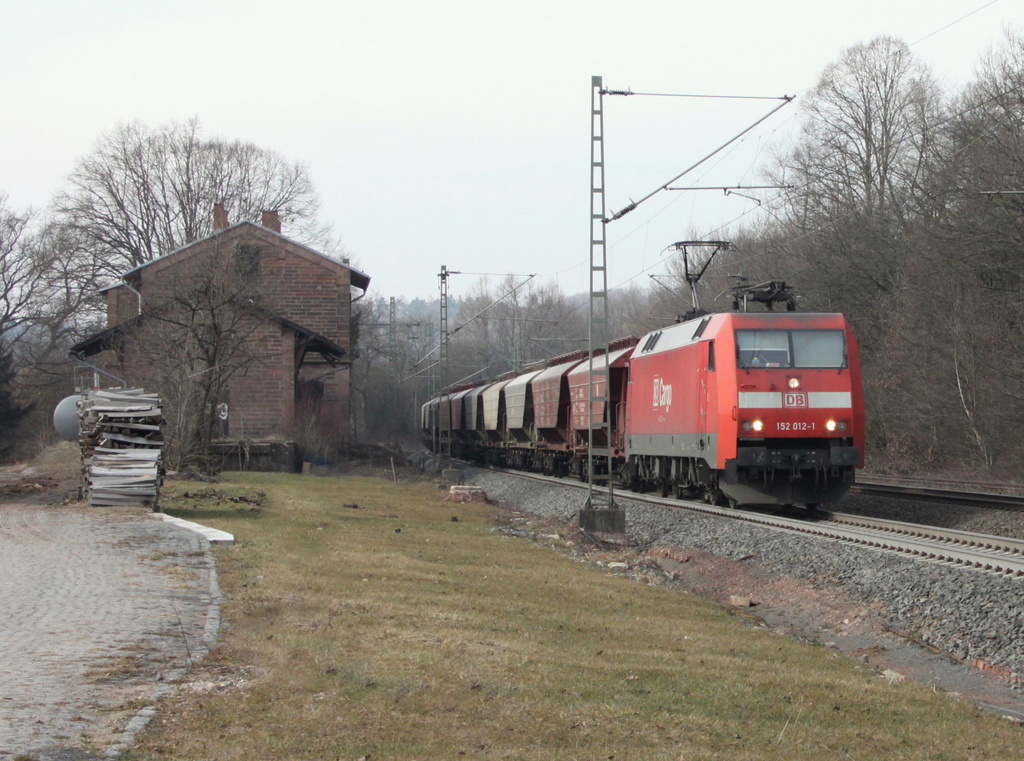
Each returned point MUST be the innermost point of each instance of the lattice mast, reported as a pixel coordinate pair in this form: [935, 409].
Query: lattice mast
[597, 338]
[445, 407]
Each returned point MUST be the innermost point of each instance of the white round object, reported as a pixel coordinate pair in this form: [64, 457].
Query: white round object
[65, 418]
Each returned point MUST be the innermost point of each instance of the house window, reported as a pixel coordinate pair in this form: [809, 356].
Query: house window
[247, 259]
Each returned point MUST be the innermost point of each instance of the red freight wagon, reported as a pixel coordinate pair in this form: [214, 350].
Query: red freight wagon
[494, 411]
[580, 422]
[756, 407]
[551, 404]
[519, 421]
[474, 411]
[458, 416]
[460, 430]
[519, 413]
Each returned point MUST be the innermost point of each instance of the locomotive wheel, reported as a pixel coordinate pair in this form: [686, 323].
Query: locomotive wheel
[677, 490]
[665, 487]
[712, 494]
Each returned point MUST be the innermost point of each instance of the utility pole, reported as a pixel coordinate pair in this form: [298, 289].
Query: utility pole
[448, 473]
[392, 371]
[600, 516]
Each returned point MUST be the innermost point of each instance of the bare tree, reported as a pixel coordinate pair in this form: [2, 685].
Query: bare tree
[37, 301]
[19, 275]
[864, 139]
[371, 384]
[143, 192]
[978, 246]
[635, 309]
[511, 325]
[866, 147]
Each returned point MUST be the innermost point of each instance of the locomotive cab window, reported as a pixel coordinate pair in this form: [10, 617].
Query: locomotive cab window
[791, 348]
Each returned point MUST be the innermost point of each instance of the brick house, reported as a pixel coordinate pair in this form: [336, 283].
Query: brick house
[297, 343]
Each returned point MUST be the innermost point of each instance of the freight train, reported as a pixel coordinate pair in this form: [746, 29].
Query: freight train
[733, 408]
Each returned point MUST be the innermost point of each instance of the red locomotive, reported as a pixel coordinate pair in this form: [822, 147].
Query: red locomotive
[735, 408]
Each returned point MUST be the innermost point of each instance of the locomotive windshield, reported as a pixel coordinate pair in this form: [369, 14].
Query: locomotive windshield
[791, 348]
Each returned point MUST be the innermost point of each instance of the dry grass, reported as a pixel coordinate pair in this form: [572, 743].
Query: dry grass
[390, 630]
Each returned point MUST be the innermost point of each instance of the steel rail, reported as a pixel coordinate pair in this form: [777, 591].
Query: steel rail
[968, 538]
[991, 499]
[1000, 556]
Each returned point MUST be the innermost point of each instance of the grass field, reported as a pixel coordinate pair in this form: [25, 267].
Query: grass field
[369, 619]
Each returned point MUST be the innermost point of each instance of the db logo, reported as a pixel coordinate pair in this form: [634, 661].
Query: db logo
[662, 393]
[794, 399]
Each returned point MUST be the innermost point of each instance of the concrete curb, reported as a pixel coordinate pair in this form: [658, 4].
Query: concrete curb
[212, 535]
[145, 714]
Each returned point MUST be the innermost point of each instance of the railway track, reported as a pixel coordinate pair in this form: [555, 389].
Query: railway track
[983, 495]
[999, 556]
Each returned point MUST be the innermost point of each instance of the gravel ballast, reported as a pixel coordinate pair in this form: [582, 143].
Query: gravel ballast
[966, 613]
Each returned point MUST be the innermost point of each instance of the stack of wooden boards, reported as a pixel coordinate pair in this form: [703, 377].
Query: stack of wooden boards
[121, 445]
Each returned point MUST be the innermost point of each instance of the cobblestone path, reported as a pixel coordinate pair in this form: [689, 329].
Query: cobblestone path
[98, 608]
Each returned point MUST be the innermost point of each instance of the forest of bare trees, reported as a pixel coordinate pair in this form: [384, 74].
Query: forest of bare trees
[906, 212]
[903, 208]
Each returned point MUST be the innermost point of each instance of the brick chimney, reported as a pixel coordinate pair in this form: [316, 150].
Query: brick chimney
[220, 216]
[271, 221]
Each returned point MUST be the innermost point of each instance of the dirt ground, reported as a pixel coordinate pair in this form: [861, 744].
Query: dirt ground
[53, 477]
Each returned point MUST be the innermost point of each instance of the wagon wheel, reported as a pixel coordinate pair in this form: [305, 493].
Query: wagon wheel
[625, 479]
[677, 490]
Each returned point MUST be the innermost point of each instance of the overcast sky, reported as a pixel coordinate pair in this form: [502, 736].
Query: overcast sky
[456, 132]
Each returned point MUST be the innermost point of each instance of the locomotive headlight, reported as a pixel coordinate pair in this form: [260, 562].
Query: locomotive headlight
[842, 425]
[830, 425]
[752, 425]
[758, 425]
[793, 382]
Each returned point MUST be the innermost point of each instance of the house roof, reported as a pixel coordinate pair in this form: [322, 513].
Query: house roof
[312, 341]
[359, 279]
[103, 340]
